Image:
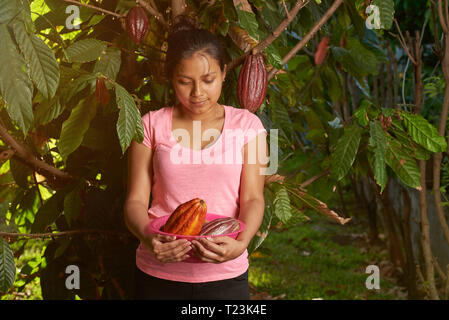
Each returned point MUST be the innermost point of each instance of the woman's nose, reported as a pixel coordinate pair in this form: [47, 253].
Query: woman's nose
[197, 90]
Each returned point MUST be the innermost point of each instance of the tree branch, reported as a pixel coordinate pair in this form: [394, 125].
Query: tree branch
[60, 234]
[308, 36]
[118, 15]
[275, 34]
[443, 21]
[41, 167]
[153, 11]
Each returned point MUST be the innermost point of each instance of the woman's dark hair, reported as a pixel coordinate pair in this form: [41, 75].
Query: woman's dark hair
[185, 38]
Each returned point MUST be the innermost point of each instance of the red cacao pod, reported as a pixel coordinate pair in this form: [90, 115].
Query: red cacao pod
[321, 51]
[187, 219]
[136, 24]
[101, 92]
[219, 226]
[252, 85]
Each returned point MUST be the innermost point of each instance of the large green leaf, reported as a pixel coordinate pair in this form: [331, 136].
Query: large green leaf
[7, 266]
[415, 150]
[16, 87]
[362, 56]
[47, 110]
[129, 117]
[402, 164]
[8, 10]
[44, 69]
[378, 140]
[423, 133]
[74, 128]
[345, 151]
[85, 50]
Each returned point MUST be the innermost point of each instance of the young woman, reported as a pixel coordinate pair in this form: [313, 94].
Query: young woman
[224, 171]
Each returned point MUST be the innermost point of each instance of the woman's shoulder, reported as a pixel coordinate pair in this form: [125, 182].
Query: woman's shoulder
[154, 115]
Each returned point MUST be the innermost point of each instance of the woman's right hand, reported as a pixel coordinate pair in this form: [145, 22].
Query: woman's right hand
[168, 248]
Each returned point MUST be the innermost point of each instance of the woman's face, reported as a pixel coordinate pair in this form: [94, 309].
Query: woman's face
[197, 82]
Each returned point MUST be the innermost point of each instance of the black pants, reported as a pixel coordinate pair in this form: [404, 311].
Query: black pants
[147, 287]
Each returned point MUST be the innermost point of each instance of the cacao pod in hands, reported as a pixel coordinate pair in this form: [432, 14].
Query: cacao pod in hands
[136, 24]
[101, 92]
[187, 219]
[320, 53]
[252, 85]
[219, 226]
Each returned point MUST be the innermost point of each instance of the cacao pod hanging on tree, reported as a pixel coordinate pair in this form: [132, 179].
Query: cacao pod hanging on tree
[320, 53]
[136, 24]
[252, 85]
[101, 92]
[187, 219]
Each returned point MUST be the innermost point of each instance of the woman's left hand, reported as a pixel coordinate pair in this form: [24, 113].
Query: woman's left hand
[218, 249]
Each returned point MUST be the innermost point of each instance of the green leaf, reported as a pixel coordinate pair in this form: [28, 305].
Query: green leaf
[16, 87]
[128, 119]
[74, 128]
[109, 63]
[48, 212]
[423, 133]
[402, 164]
[361, 113]
[20, 173]
[386, 12]
[8, 10]
[362, 56]
[345, 151]
[7, 267]
[47, 110]
[44, 69]
[274, 58]
[85, 50]
[415, 150]
[247, 21]
[378, 139]
[282, 207]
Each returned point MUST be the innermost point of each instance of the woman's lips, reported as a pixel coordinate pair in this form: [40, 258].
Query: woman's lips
[198, 103]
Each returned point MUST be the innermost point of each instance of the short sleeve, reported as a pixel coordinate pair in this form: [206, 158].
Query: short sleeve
[254, 127]
[147, 136]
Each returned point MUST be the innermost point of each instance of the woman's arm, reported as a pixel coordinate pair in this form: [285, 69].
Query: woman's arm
[252, 206]
[140, 172]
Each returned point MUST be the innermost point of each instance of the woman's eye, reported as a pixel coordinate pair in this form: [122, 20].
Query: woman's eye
[183, 82]
[209, 81]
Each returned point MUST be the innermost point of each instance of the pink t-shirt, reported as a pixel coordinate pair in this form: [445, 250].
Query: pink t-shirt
[181, 174]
